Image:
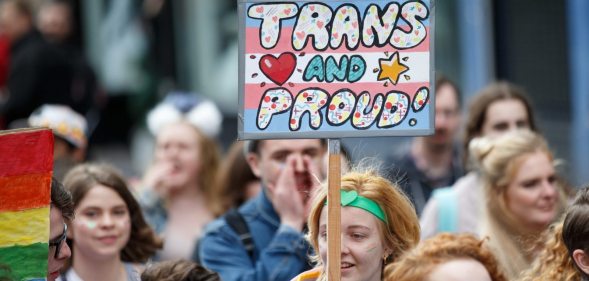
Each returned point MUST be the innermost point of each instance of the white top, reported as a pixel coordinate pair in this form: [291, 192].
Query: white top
[469, 195]
[132, 274]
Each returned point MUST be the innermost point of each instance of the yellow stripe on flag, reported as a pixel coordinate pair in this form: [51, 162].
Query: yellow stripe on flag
[24, 227]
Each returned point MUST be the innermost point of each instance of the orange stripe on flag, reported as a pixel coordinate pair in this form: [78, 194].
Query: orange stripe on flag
[25, 192]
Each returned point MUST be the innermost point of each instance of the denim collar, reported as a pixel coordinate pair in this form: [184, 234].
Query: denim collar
[266, 209]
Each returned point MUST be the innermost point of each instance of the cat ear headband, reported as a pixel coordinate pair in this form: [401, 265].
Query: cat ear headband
[178, 106]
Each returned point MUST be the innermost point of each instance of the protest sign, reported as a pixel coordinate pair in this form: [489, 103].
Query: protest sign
[335, 69]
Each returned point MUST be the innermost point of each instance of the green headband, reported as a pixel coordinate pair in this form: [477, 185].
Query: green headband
[352, 199]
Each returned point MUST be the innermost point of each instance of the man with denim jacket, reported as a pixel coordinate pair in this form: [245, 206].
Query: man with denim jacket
[289, 170]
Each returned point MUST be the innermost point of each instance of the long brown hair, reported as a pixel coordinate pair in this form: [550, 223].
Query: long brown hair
[233, 177]
[477, 111]
[143, 242]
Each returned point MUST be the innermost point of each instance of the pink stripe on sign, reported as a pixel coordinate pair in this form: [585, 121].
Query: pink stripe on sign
[254, 93]
[252, 44]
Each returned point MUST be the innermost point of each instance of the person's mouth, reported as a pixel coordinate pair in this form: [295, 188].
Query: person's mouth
[546, 208]
[346, 265]
[53, 275]
[176, 169]
[303, 186]
[108, 239]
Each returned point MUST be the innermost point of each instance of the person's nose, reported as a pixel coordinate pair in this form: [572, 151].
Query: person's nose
[441, 119]
[299, 163]
[172, 152]
[107, 221]
[344, 247]
[549, 190]
[65, 252]
[512, 126]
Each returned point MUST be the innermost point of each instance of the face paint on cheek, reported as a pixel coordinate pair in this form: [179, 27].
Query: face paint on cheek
[91, 225]
[372, 249]
[123, 223]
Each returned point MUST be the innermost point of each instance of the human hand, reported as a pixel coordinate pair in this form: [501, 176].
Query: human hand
[294, 185]
[155, 177]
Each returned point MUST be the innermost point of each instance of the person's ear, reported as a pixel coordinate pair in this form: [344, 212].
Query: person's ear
[70, 231]
[387, 253]
[582, 260]
[253, 160]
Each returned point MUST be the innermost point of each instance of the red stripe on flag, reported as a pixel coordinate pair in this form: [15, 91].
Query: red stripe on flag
[26, 152]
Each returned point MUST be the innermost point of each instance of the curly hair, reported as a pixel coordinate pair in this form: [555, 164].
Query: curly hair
[576, 225]
[178, 270]
[553, 263]
[420, 262]
[401, 232]
[143, 242]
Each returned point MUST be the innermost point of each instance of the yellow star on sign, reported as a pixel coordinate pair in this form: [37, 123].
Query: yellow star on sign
[391, 68]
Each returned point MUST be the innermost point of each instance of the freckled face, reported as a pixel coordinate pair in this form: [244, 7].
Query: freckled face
[103, 224]
[362, 248]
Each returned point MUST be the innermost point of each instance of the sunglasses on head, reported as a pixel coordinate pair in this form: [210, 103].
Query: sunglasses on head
[57, 242]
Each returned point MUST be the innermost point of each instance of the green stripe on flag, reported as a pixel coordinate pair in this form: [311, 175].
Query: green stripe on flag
[25, 262]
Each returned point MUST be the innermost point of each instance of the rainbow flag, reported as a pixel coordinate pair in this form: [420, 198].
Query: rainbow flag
[26, 166]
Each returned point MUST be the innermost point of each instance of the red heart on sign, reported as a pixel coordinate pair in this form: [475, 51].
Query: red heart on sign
[278, 69]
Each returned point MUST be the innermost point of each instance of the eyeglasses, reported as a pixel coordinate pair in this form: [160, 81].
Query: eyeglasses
[59, 241]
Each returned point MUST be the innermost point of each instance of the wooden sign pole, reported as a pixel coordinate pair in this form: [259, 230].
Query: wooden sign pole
[334, 211]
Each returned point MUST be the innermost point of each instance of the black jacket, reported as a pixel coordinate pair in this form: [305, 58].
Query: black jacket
[38, 74]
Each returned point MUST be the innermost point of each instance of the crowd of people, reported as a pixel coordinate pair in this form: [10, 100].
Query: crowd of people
[491, 206]
[259, 213]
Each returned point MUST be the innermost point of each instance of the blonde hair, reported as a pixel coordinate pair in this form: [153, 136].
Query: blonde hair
[554, 262]
[420, 262]
[401, 231]
[498, 162]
